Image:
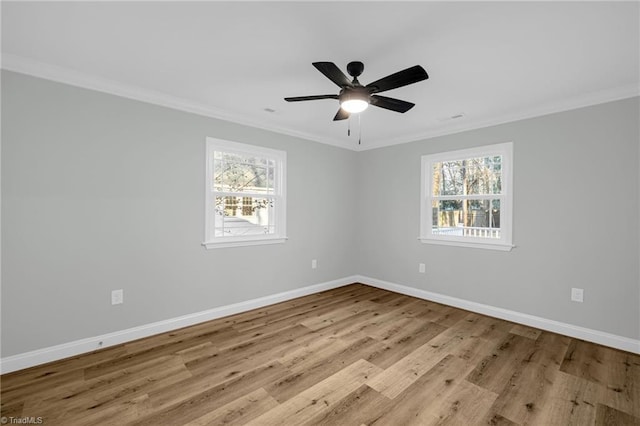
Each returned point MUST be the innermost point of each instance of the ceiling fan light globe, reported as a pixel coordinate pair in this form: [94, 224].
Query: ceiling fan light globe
[354, 105]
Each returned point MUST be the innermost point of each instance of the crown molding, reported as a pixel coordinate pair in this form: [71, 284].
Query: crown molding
[581, 101]
[75, 78]
[71, 77]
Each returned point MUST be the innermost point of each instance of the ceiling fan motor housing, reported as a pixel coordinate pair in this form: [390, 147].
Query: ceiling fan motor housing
[355, 68]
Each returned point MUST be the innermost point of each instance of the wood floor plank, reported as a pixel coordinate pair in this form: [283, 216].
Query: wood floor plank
[362, 406]
[58, 372]
[239, 411]
[436, 396]
[324, 365]
[480, 337]
[464, 406]
[206, 331]
[165, 348]
[350, 329]
[319, 398]
[403, 373]
[616, 371]
[252, 351]
[498, 420]
[572, 401]
[395, 379]
[608, 416]
[195, 397]
[405, 340]
[524, 331]
[110, 416]
[434, 387]
[373, 319]
[394, 320]
[257, 317]
[355, 355]
[91, 394]
[314, 351]
[337, 315]
[441, 314]
[526, 392]
[123, 398]
[387, 297]
[288, 315]
[40, 385]
[203, 350]
[495, 370]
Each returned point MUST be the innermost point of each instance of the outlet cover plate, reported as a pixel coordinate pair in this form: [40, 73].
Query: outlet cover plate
[577, 295]
[117, 297]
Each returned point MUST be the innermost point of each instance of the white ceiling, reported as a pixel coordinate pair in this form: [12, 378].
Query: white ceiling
[491, 61]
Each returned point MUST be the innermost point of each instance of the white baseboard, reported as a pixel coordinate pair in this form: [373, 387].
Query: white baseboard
[78, 347]
[65, 350]
[595, 336]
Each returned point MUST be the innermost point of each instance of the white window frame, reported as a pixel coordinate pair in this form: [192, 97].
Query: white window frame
[279, 195]
[506, 198]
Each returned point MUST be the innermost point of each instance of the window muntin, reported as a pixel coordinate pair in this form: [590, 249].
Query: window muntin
[245, 194]
[467, 197]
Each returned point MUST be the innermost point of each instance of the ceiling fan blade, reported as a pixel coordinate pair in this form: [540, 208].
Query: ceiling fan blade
[399, 79]
[341, 115]
[310, 98]
[333, 73]
[391, 103]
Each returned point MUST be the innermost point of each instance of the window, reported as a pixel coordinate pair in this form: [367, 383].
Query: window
[467, 198]
[245, 195]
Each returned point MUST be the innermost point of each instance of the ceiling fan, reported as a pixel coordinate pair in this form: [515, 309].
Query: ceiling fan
[354, 97]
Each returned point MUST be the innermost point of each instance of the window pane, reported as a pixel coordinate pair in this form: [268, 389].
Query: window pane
[448, 178]
[237, 173]
[466, 218]
[238, 216]
[481, 176]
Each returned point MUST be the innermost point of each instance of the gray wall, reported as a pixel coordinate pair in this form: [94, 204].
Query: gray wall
[100, 193]
[575, 220]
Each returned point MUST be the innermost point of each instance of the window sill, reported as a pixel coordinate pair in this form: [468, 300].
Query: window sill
[241, 243]
[470, 244]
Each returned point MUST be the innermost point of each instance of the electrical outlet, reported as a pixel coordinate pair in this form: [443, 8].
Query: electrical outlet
[117, 297]
[314, 264]
[577, 294]
[421, 268]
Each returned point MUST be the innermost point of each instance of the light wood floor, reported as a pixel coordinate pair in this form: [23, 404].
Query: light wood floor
[350, 356]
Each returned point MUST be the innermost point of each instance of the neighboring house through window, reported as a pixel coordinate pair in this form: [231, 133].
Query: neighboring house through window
[467, 197]
[245, 195]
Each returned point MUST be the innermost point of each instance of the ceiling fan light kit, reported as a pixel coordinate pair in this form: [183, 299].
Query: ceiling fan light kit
[355, 98]
[353, 104]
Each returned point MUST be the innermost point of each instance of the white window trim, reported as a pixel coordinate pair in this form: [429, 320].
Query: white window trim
[506, 205]
[211, 241]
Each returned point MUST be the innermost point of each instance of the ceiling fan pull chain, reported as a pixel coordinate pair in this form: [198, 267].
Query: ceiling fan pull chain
[349, 127]
[359, 130]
